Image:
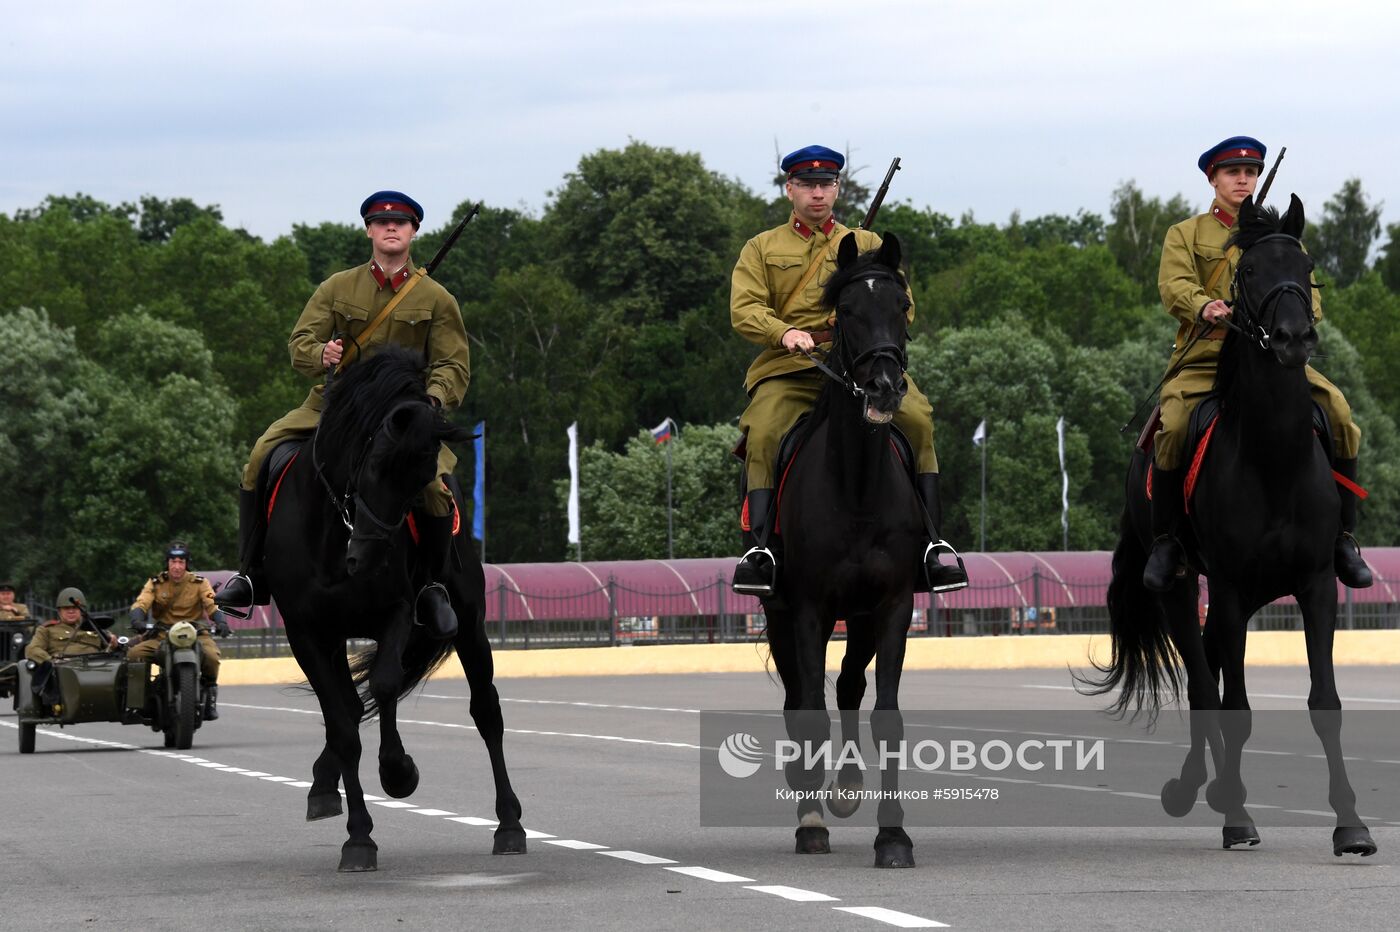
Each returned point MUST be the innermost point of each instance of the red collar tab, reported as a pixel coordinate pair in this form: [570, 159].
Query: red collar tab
[393, 282]
[805, 231]
[1227, 219]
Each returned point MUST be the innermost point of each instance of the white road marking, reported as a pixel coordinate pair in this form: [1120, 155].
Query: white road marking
[581, 705]
[473, 820]
[704, 873]
[893, 917]
[433, 812]
[395, 804]
[636, 857]
[795, 893]
[531, 833]
[575, 845]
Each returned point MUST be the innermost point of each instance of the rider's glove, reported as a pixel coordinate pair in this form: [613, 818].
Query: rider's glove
[221, 626]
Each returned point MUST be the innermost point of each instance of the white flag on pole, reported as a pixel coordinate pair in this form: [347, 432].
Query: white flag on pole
[979, 436]
[573, 483]
[1064, 476]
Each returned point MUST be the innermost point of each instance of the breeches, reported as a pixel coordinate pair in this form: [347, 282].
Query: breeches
[301, 422]
[208, 653]
[1181, 395]
[777, 403]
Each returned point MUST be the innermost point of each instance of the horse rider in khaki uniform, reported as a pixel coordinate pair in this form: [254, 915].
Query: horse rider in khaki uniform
[775, 303]
[1195, 279]
[61, 637]
[10, 610]
[174, 596]
[332, 329]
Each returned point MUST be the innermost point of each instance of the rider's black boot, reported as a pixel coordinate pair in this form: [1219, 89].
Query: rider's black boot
[936, 576]
[248, 587]
[432, 608]
[211, 699]
[1352, 571]
[1166, 561]
[757, 572]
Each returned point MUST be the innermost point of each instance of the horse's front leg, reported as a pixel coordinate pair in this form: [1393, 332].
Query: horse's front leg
[474, 649]
[398, 774]
[809, 726]
[1226, 794]
[893, 846]
[1202, 695]
[323, 799]
[861, 642]
[1319, 607]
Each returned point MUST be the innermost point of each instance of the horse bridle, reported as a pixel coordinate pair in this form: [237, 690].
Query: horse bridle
[887, 350]
[351, 502]
[1253, 320]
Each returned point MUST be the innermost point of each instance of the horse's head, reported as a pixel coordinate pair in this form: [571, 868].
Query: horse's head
[1272, 287]
[871, 300]
[378, 441]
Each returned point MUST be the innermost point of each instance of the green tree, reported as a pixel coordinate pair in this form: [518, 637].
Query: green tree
[622, 496]
[1342, 241]
[160, 219]
[1368, 313]
[1388, 265]
[1136, 231]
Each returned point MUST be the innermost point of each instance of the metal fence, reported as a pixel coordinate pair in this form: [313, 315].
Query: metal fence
[616, 614]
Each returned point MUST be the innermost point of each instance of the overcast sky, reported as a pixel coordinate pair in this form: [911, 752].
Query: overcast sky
[291, 112]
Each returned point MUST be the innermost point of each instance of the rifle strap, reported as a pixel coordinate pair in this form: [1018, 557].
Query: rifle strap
[807, 276]
[363, 339]
[1231, 253]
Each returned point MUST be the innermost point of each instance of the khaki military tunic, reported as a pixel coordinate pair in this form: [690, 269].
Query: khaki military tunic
[55, 640]
[1193, 251]
[345, 304]
[15, 611]
[169, 602]
[782, 385]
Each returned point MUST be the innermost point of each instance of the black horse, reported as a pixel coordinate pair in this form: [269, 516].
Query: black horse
[854, 533]
[341, 564]
[1262, 524]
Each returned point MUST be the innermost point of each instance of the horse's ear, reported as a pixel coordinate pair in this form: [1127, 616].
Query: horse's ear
[451, 433]
[1247, 208]
[399, 419]
[1293, 221]
[889, 255]
[847, 252]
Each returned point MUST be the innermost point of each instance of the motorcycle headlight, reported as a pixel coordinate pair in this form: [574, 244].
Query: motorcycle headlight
[182, 634]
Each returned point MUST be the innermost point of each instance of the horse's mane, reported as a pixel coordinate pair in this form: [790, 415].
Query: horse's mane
[1253, 225]
[364, 394]
[865, 266]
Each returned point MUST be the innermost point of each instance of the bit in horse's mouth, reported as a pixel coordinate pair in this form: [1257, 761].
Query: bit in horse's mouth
[875, 416]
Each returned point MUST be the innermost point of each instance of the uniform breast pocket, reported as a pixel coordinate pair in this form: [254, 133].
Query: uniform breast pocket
[348, 318]
[783, 275]
[410, 325]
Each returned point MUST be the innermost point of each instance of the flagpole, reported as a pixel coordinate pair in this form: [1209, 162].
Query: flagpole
[983, 545]
[670, 539]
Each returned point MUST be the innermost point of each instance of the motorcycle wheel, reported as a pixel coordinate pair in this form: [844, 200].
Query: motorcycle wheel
[26, 739]
[186, 707]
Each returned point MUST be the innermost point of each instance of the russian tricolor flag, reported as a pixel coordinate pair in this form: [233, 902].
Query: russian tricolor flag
[662, 432]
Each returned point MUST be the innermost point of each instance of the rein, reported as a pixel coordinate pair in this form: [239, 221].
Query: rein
[886, 350]
[1251, 319]
[351, 506]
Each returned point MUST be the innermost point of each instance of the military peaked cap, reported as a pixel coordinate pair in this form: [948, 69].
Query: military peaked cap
[1237, 150]
[814, 163]
[391, 204]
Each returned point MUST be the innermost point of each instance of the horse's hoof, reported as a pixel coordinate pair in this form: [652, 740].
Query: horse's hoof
[894, 855]
[322, 806]
[401, 780]
[1232, 835]
[1177, 798]
[358, 856]
[813, 839]
[509, 841]
[844, 799]
[1353, 839]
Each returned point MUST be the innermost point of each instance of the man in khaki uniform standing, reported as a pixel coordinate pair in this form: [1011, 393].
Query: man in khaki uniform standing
[775, 303]
[330, 332]
[1195, 279]
[10, 610]
[174, 596]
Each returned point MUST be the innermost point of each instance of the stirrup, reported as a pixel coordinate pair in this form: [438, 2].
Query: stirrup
[765, 589]
[941, 546]
[235, 611]
[446, 599]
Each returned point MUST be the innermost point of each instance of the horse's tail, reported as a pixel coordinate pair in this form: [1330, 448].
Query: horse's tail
[421, 659]
[1144, 663]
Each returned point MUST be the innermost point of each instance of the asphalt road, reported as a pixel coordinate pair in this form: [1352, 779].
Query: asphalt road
[103, 828]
